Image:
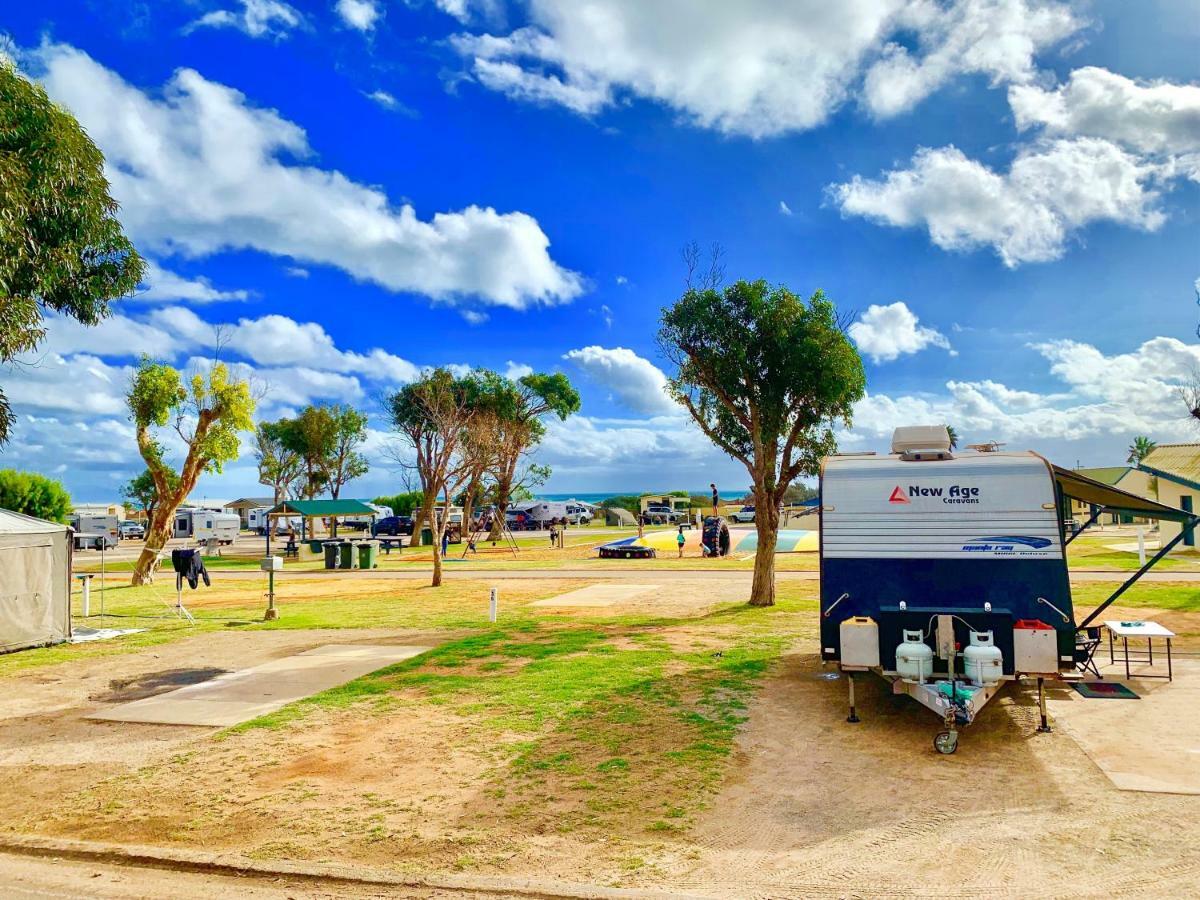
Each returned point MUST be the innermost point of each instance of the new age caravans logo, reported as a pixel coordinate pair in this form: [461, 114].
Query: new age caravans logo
[954, 494]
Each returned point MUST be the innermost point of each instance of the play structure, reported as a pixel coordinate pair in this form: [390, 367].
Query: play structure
[946, 574]
[740, 541]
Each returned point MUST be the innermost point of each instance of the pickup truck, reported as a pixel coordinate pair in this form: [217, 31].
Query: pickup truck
[663, 515]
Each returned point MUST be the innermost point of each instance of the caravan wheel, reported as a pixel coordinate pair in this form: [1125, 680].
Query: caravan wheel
[945, 742]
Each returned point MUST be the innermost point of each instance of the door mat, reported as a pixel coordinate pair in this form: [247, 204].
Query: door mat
[1104, 690]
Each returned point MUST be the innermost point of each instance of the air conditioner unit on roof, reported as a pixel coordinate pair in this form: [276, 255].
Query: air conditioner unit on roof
[912, 438]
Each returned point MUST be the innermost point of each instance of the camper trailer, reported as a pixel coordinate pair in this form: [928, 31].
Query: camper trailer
[206, 525]
[256, 519]
[945, 572]
[95, 531]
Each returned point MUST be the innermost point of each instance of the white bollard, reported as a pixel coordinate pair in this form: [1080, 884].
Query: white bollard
[86, 583]
[1141, 546]
[492, 605]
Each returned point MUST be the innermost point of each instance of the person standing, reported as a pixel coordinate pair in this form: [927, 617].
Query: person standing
[716, 498]
[679, 539]
[641, 523]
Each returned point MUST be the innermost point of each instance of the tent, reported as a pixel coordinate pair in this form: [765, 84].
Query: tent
[35, 582]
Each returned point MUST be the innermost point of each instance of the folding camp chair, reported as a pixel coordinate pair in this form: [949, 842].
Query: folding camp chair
[1088, 641]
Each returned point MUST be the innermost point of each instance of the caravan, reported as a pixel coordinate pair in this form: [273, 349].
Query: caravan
[95, 531]
[207, 525]
[256, 519]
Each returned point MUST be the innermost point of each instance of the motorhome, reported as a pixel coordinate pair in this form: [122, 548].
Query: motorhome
[206, 525]
[542, 512]
[945, 571]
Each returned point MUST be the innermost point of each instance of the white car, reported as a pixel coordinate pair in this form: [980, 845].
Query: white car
[745, 514]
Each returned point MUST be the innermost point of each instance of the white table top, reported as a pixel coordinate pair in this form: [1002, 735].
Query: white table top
[1138, 629]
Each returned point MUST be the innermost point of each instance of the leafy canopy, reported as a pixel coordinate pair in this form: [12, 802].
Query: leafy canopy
[34, 495]
[61, 246]
[764, 374]
[141, 492]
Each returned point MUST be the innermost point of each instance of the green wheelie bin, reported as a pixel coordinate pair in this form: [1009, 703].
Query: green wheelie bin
[368, 554]
[345, 555]
[331, 554]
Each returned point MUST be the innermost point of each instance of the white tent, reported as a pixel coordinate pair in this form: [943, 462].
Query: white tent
[35, 582]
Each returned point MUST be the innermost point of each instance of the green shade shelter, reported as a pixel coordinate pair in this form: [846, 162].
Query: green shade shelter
[319, 509]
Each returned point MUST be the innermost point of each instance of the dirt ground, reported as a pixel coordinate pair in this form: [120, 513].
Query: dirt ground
[808, 806]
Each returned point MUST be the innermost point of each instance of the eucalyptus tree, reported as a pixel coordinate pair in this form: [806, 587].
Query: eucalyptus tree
[207, 414]
[61, 246]
[766, 376]
[279, 466]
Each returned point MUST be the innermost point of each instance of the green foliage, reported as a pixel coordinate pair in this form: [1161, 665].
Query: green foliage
[278, 466]
[34, 495]
[1141, 447]
[141, 493]
[401, 504]
[631, 502]
[324, 437]
[61, 246]
[765, 375]
[952, 433]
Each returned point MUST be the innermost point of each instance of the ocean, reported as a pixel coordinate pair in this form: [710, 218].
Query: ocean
[600, 496]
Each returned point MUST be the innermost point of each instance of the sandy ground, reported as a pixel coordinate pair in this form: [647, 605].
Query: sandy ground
[810, 806]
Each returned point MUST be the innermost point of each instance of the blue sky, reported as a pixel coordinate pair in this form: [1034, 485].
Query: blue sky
[1003, 192]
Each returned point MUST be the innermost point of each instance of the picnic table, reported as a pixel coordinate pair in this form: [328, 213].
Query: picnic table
[1147, 630]
[387, 543]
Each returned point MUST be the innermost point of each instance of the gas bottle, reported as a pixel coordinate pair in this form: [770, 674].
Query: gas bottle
[984, 662]
[914, 658]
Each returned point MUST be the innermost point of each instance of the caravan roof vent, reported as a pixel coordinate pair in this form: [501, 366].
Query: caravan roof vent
[922, 442]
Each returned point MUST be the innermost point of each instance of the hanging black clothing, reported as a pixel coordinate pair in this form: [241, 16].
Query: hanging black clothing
[190, 565]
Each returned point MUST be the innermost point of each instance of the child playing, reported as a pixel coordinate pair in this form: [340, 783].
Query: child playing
[679, 541]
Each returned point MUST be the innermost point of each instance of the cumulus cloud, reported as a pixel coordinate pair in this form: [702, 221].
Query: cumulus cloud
[358, 14]
[634, 381]
[784, 209]
[160, 284]
[1148, 116]
[1026, 214]
[203, 170]
[759, 67]
[256, 18]
[515, 370]
[887, 332]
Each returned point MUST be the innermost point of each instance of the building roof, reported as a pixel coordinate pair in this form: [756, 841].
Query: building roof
[250, 502]
[1104, 474]
[323, 508]
[1179, 463]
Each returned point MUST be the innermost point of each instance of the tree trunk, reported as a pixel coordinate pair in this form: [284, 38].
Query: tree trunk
[503, 489]
[158, 532]
[766, 520]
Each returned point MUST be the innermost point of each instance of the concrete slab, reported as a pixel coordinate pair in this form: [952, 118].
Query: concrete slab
[1151, 744]
[598, 595]
[236, 697]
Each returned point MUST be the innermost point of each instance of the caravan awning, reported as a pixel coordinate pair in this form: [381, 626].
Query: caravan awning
[1107, 497]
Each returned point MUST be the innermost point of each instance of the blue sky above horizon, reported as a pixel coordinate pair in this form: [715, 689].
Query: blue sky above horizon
[1003, 193]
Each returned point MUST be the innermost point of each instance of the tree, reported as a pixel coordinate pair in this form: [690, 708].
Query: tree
[766, 376]
[431, 416]
[278, 465]
[400, 504]
[206, 415]
[61, 246]
[953, 435]
[1141, 447]
[345, 463]
[312, 437]
[142, 492]
[34, 495]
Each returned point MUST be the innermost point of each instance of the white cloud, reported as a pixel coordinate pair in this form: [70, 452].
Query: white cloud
[759, 67]
[1148, 116]
[1050, 192]
[161, 284]
[634, 381]
[887, 332]
[202, 170]
[256, 18]
[784, 209]
[358, 14]
[621, 280]
[515, 370]
[390, 103]
[296, 272]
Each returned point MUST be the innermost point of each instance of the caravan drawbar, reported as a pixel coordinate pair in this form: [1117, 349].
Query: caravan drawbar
[945, 572]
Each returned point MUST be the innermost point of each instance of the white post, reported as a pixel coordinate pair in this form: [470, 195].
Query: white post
[86, 582]
[492, 605]
[1141, 546]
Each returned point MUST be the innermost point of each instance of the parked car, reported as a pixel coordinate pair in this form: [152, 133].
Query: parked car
[663, 515]
[394, 526]
[578, 515]
[745, 514]
[130, 529]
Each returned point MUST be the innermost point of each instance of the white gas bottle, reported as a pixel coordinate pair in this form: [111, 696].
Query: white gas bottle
[914, 658]
[983, 660]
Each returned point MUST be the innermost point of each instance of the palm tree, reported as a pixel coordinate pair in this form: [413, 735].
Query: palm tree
[953, 437]
[1141, 447]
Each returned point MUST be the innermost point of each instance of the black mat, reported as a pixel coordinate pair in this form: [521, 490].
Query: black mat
[1104, 690]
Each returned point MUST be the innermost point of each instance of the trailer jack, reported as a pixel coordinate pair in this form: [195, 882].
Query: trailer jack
[946, 742]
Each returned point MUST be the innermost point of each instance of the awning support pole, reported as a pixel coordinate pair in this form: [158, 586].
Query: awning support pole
[1092, 519]
[1184, 530]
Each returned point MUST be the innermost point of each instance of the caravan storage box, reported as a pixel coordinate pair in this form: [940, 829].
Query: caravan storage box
[860, 643]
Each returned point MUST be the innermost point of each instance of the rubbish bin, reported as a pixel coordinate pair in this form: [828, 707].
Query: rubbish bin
[426, 537]
[315, 546]
[345, 555]
[368, 553]
[331, 554]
